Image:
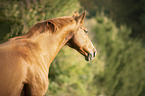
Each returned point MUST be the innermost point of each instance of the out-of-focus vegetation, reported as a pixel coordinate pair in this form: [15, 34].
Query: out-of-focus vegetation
[129, 12]
[19, 15]
[124, 59]
[118, 69]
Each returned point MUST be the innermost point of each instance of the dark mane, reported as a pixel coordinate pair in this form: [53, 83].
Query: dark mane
[51, 25]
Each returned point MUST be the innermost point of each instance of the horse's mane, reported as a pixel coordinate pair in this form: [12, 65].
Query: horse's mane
[51, 26]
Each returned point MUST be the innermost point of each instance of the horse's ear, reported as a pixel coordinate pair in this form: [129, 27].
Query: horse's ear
[52, 26]
[76, 14]
[81, 18]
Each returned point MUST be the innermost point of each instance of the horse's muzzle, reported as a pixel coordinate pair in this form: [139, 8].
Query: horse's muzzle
[91, 56]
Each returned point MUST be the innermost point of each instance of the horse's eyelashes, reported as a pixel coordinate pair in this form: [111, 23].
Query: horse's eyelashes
[86, 31]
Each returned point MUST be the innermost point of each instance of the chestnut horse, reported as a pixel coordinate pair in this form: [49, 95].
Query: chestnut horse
[25, 60]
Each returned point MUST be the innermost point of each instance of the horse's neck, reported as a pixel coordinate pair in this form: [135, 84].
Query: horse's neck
[50, 44]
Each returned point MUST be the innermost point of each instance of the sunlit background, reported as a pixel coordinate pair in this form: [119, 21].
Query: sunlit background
[116, 28]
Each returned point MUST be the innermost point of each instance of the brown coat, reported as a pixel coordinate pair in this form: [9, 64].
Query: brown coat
[25, 60]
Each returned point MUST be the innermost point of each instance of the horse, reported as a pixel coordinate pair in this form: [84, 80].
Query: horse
[25, 60]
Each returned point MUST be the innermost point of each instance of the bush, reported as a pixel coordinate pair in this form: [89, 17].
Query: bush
[124, 59]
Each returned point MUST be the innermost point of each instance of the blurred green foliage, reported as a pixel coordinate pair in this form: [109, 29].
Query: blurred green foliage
[23, 14]
[71, 75]
[118, 69]
[128, 12]
[124, 59]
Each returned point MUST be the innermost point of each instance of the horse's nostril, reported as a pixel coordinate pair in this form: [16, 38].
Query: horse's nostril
[90, 56]
[95, 53]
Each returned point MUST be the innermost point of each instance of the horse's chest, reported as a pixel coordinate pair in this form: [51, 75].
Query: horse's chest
[38, 73]
[37, 79]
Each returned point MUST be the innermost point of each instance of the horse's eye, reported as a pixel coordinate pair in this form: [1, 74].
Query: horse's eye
[86, 31]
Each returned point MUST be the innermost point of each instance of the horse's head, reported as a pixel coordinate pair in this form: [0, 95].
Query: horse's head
[80, 40]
